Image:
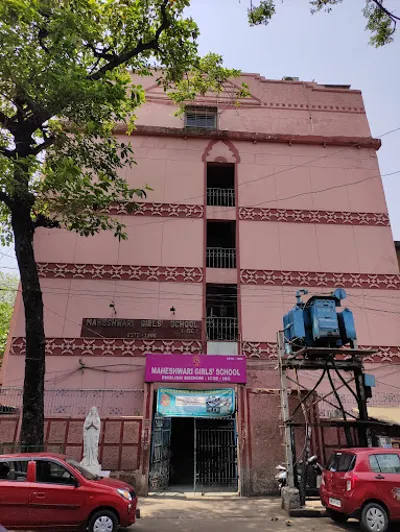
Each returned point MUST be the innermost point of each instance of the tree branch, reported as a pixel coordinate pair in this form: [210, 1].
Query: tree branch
[43, 33]
[9, 154]
[45, 144]
[43, 221]
[5, 198]
[101, 54]
[4, 119]
[141, 47]
[391, 15]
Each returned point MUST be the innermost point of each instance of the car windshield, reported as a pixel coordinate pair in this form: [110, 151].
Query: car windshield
[83, 471]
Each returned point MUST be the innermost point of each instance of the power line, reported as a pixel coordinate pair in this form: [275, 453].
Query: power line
[264, 202]
[327, 155]
[279, 172]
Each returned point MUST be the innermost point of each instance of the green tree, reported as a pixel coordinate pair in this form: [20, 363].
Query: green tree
[381, 21]
[65, 81]
[8, 292]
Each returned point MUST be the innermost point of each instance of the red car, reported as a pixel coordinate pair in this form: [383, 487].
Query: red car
[363, 483]
[51, 491]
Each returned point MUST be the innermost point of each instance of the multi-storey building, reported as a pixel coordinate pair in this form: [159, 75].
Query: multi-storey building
[250, 204]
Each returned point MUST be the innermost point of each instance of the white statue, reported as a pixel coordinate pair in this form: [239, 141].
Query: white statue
[91, 435]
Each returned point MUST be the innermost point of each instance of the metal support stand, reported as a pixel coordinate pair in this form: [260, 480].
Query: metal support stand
[324, 359]
[285, 416]
[290, 493]
[362, 409]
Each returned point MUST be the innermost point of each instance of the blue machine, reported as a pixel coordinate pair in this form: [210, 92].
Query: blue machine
[317, 323]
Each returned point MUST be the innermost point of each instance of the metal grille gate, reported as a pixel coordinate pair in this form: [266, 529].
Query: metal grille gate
[215, 455]
[160, 454]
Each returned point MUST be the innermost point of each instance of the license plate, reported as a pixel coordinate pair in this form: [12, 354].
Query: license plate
[335, 502]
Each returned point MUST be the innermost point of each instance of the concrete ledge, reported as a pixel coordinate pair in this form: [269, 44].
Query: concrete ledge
[220, 134]
[307, 512]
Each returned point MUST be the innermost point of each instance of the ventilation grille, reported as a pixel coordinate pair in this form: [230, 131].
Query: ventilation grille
[203, 117]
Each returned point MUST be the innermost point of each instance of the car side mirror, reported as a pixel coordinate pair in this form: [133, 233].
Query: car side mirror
[76, 483]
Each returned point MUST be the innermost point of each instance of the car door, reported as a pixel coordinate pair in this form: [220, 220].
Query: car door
[14, 492]
[386, 480]
[56, 496]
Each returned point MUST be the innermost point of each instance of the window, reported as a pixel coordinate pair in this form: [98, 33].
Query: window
[53, 473]
[341, 462]
[13, 470]
[203, 117]
[221, 185]
[385, 463]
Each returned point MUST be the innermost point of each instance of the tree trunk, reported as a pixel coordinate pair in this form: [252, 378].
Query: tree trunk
[31, 438]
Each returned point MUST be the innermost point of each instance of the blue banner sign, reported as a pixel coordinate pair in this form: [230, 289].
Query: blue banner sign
[195, 403]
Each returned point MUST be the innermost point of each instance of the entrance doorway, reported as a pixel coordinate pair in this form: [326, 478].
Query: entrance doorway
[193, 454]
[181, 465]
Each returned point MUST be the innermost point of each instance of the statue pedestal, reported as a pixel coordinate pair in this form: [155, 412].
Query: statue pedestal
[95, 469]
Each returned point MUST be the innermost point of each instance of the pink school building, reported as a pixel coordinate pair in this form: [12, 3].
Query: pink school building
[249, 205]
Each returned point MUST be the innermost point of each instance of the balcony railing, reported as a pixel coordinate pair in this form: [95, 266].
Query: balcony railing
[221, 258]
[221, 197]
[222, 329]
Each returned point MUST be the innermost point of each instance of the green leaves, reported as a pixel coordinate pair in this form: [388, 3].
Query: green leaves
[208, 76]
[66, 82]
[381, 22]
[261, 13]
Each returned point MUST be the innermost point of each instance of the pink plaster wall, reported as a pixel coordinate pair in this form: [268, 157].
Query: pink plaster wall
[67, 301]
[316, 247]
[274, 106]
[151, 242]
[269, 175]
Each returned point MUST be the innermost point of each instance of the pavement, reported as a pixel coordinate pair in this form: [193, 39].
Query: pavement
[195, 514]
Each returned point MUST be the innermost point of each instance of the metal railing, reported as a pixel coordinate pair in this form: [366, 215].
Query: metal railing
[222, 329]
[77, 403]
[221, 258]
[221, 197]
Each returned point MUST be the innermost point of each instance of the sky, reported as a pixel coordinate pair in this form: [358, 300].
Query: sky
[325, 47]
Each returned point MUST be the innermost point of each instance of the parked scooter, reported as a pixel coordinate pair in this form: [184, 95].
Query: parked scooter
[281, 476]
[317, 469]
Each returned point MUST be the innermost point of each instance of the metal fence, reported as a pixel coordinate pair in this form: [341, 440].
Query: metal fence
[221, 197]
[349, 403]
[221, 258]
[76, 403]
[222, 329]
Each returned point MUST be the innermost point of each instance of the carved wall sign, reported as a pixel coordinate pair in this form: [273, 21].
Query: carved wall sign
[148, 329]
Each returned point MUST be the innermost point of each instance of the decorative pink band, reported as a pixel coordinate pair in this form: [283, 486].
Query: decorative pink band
[118, 347]
[176, 210]
[321, 279]
[313, 217]
[181, 274]
[166, 274]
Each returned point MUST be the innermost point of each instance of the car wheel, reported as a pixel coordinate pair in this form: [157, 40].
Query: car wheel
[337, 516]
[103, 521]
[374, 518]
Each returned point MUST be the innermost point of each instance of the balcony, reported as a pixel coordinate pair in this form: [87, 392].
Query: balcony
[221, 197]
[219, 329]
[221, 257]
